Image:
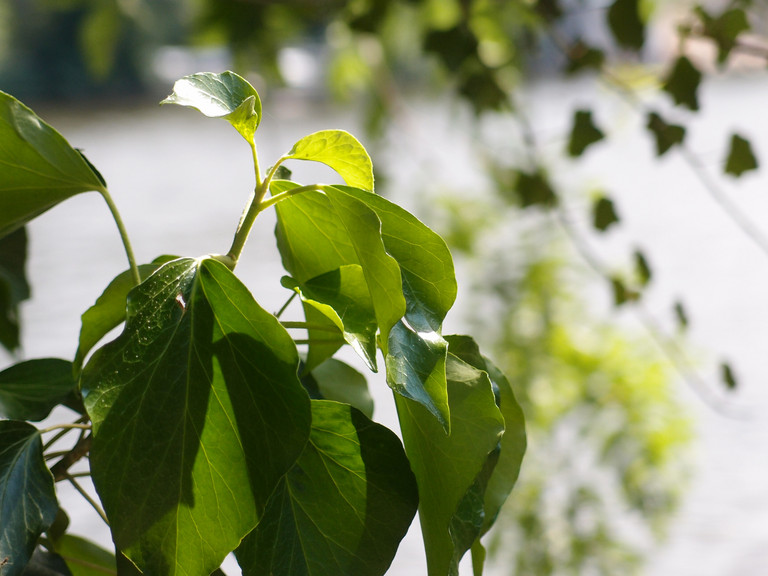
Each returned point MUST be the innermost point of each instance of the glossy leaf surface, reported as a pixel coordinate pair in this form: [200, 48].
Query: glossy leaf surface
[39, 167]
[14, 288]
[339, 150]
[342, 509]
[448, 467]
[30, 390]
[27, 497]
[224, 95]
[214, 377]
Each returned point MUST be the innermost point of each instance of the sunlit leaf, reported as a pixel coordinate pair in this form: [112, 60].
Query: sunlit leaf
[604, 214]
[27, 497]
[584, 133]
[215, 377]
[14, 288]
[740, 157]
[682, 83]
[339, 150]
[39, 167]
[224, 95]
[447, 467]
[30, 390]
[666, 135]
[625, 23]
[342, 509]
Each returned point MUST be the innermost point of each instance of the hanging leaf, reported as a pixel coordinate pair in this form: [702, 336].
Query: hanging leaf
[224, 95]
[604, 214]
[30, 390]
[339, 150]
[642, 268]
[40, 168]
[667, 135]
[682, 83]
[740, 157]
[217, 381]
[583, 134]
[625, 24]
[724, 30]
[451, 469]
[729, 379]
[14, 288]
[352, 475]
[27, 497]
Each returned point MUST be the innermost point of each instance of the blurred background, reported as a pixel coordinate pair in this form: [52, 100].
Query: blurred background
[595, 166]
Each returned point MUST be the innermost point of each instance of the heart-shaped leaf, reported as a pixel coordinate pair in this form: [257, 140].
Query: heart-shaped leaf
[201, 366]
[339, 150]
[40, 168]
[30, 390]
[224, 95]
[27, 497]
[342, 509]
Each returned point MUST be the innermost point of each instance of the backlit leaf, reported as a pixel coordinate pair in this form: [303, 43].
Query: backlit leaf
[682, 83]
[584, 133]
[39, 167]
[30, 390]
[203, 368]
[666, 135]
[625, 23]
[224, 95]
[27, 497]
[339, 150]
[342, 509]
[534, 189]
[14, 288]
[740, 157]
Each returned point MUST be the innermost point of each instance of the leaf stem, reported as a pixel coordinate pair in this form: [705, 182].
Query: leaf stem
[287, 303]
[308, 326]
[63, 432]
[87, 497]
[292, 192]
[123, 235]
[65, 428]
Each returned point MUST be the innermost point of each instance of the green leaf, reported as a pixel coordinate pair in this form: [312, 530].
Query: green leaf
[202, 366]
[27, 497]
[84, 558]
[342, 509]
[667, 135]
[723, 30]
[30, 390]
[682, 83]
[581, 56]
[340, 382]
[622, 294]
[40, 168]
[14, 288]
[534, 189]
[447, 467]
[728, 377]
[681, 316]
[45, 563]
[108, 311]
[583, 134]
[604, 214]
[224, 95]
[325, 336]
[339, 150]
[453, 46]
[625, 24]
[642, 268]
[740, 157]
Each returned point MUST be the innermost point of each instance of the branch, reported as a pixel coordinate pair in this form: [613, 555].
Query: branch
[78, 451]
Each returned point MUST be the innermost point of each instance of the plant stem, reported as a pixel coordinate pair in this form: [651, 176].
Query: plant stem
[292, 192]
[123, 235]
[79, 450]
[87, 497]
[66, 428]
[308, 326]
[287, 303]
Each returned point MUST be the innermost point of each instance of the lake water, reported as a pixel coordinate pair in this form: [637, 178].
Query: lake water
[181, 180]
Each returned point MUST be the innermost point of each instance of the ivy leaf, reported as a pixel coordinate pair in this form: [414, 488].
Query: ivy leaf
[28, 503]
[218, 383]
[534, 189]
[682, 83]
[84, 558]
[604, 214]
[642, 268]
[339, 150]
[14, 288]
[224, 95]
[584, 133]
[667, 135]
[40, 168]
[729, 379]
[338, 381]
[447, 467]
[30, 390]
[723, 30]
[342, 509]
[625, 23]
[740, 157]
[453, 46]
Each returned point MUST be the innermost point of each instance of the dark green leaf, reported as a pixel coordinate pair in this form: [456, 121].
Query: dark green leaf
[339, 150]
[724, 30]
[217, 382]
[84, 558]
[340, 382]
[642, 268]
[325, 337]
[583, 134]
[453, 46]
[681, 315]
[448, 467]
[549, 9]
[224, 95]
[625, 24]
[582, 56]
[667, 135]
[622, 294]
[740, 157]
[342, 509]
[45, 563]
[682, 83]
[533, 189]
[40, 168]
[482, 89]
[604, 214]
[30, 390]
[729, 379]
[27, 497]
[14, 288]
